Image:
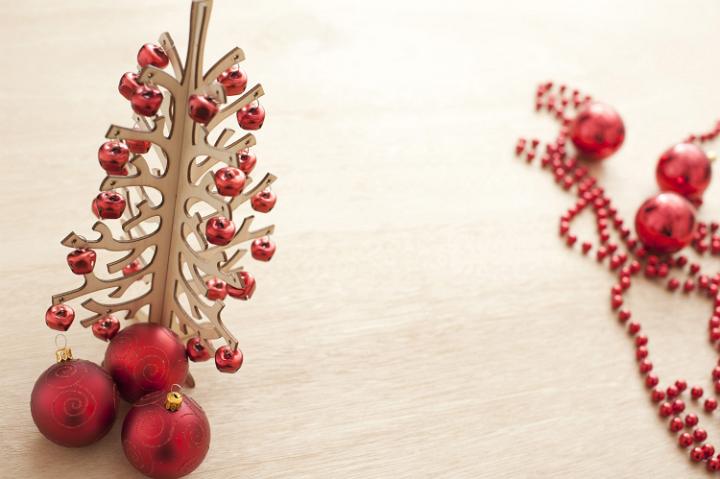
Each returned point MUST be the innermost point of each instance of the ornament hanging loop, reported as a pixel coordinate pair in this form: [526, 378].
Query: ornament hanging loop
[63, 353]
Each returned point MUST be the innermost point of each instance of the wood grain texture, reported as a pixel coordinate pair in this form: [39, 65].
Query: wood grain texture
[421, 318]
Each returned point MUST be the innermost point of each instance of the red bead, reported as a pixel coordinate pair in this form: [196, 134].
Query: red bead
[229, 181]
[652, 380]
[673, 284]
[234, 81]
[713, 465]
[616, 301]
[657, 395]
[113, 156]
[665, 223]
[128, 84]
[251, 116]
[684, 169]
[642, 353]
[672, 392]
[676, 424]
[81, 261]
[109, 205]
[197, 350]
[228, 360]
[624, 315]
[59, 317]
[645, 366]
[678, 406]
[665, 409]
[219, 230]
[710, 404]
[246, 161]
[691, 420]
[586, 246]
[641, 340]
[247, 290]
[685, 439]
[263, 249]
[696, 392]
[697, 454]
[699, 435]
[689, 285]
[138, 147]
[264, 201]
[106, 328]
[146, 100]
[694, 268]
[681, 385]
[216, 289]
[708, 450]
[597, 131]
[202, 109]
[634, 328]
[152, 54]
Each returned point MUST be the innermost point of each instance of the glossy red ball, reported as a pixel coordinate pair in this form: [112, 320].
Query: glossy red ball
[246, 161]
[109, 205]
[247, 290]
[233, 80]
[152, 54]
[216, 289]
[113, 156]
[165, 444]
[202, 109]
[684, 169]
[138, 147]
[197, 350]
[146, 100]
[228, 360]
[665, 223]
[262, 249]
[82, 260]
[74, 403]
[128, 84]
[59, 317]
[144, 358]
[251, 116]
[229, 181]
[597, 131]
[219, 230]
[106, 327]
[264, 201]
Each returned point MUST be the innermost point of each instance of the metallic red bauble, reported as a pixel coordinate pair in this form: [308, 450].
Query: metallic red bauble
[74, 403]
[234, 80]
[246, 161]
[684, 169]
[138, 147]
[82, 260]
[202, 109]
[597, 131]
[128, 84]
[216, 289]
[247, 290]
[59, 317]
[229, 181]
[146, 100]
[219, 230]
[152, 54]
[106, 327]
[144, 358]
[109, 205]
[262, 249]
[264, 201]
[197, 350]
[228, 360]
[665, 223]
[113, 156]
[165, 444]
[251, 116]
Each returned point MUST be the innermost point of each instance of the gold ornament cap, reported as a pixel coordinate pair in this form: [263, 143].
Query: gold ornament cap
[63, 353]
[173, 401]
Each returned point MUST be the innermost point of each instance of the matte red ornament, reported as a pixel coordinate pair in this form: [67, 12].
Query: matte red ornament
[74, 403]
[247, 290]
[146, 100]
[234, 80]
[197, 350]
[228, 360]
[113, 156]
[263, 249]
[59, 317]
[165, 444]
[251, 116]
[229, 181]
[128, 84]
[597, 131]
[202, 109]
[82, 260]
[216, 289]
[106, 327]
[219, 230]
[665, 223]
[264, 201]
[109, 205]
[144, 358]
[246, 161]
[138, 147]
[152, 54]
[684, 169]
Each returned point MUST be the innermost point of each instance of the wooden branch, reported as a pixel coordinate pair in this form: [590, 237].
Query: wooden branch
[155, 135]
[248, 97]
[154, 76]
[131, 307]
[267, 180]
[143, 177]
[167, 43]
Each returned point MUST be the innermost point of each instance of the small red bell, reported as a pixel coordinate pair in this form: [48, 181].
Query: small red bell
[684, 169]
[59, 317]
[146, 100]
[197, 350]
[246, 161]
[138, 147]
[264, 201]
[113, 156]
[597, 131]
[219, 230]
[228, 360]
[251, 116]
[247, 290]
[216, 289]
[229, 181]
[262, 249]
[665, 223]
[128, 84]
[109, 205]
[152, 54]
[81, 261]
[234, 80]
[106, 327]
[132, 267]
[202, 109]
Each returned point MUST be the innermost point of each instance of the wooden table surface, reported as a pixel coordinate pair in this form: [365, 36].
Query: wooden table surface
[421, 318]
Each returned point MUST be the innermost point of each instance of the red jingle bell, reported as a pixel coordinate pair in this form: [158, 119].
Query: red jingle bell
[228, 360]
[106, 328]
[684, 169]
[216, 289]
[74, 402]
[144, 358]
[146, 100]
[128, 84]
[166, 435]
[132, 267]
[202, 109]
[264, 201]
[246, 161]
[109, 205]
[251, 116]
[113, 156]
[247, 290]
[139, 147]
[665, 223]
[152, 54]
[262, 249]
[197, 350]
[219, 230]
[233, 80]
[59, 317]
[229, 181]
[81, 260]
[597, 131]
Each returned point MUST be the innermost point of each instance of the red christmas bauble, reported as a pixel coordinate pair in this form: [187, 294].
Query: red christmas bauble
[163, 443]
[74, 403]
[665, 223]
[597, 131]
[684, 169]
[145, 358]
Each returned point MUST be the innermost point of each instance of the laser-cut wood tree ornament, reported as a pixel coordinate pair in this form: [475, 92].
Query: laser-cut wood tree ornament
[170, 222]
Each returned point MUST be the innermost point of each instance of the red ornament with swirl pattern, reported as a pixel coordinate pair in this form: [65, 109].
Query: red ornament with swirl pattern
[145, 358]
[166, 435]
[74, 402]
